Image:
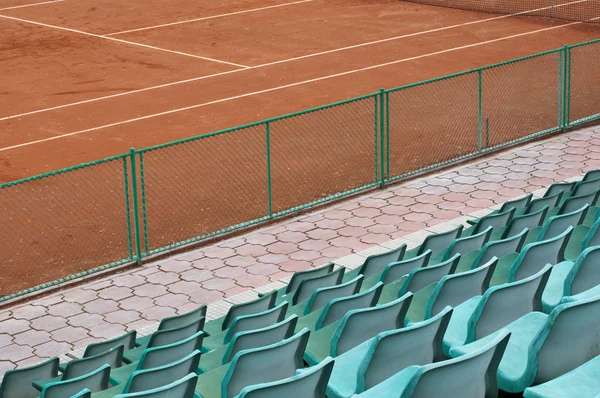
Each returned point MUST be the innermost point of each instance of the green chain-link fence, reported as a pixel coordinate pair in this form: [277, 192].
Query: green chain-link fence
[73, 222]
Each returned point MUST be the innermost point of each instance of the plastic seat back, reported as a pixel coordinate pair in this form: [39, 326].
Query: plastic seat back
[577, 202]
[299, 276]
[572, 340]
[556, 225]
[519, 203]
[528, 221]
[500, 248]
[585, 273]
[397, 270]
[560, 187]
[17, 382]
[127, 340]
[182, 388]
[170, 336]
[83, 366]
[360, 325]
[266, 364]
[453, 290]
[586, 187]
[550, 201]
[438, 242]
[536, 255]
[337, 308]
[501, 305]
[260, 337]
[322, 296]
[256, 321]
[261, 304]
[472, 375]
[376, 263]
[160, 356]
[183, 319]
[85, 393]
[470, 243]
[392, 351]
[308, 286]
[310, 383]
[94, 381]
[422, 277]
[142, 380]
[591, 175]
[495, 220]
[592, 238]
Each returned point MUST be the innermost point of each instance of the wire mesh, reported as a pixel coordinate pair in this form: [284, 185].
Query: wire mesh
[322, 153]
[62, 225]
[521, 98]
[584, 82]
[203, 186]
[433, 123]
[570, 10]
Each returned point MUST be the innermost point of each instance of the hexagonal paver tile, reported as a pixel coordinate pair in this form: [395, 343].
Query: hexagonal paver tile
[324, 234]
[48, 323]
[65, 309]
[292, 237]
[301, 226]
[263, 269]
[149, 290]
[242, 261]
[163, 278]
[258, 238]
[129, 280]
[253, 280]
[395, 210]
[337, 214]
[183, 287]
[176, 265]
[101, 306]
[115, 293]
[107, 330]
[282, 248]
[32, 337]
[196, 275]
[173, 300]
[231, 272]
[273, 258]
[136, 303]
[15, 353]
[209, 264]
[352, 231]
[251, 250]
[220, 284]
[313, 244]
[86, 320]
[70, 334]
[14, 326]
[122, 317]
[295, 265]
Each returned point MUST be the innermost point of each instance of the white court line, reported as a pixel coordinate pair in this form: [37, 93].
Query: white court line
[31, 5]
[205, 18]
[122, 41]
[194, 79]
[137, 119]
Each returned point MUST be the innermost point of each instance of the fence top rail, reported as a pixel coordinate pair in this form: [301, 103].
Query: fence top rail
[62, 171]
[265, 121]
[585, 43]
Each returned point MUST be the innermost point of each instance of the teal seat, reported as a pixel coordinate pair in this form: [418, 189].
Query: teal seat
[158, 356]
[85, 393]
[299, 276]
[577, 202]
[543, 347]
[533, 258]
[452, 290]
[436, 242]
[506, 250]
[17, 383]
[591, 175]
[126, 339]
[335, 309]
[375, 263]
[470, 376]
[481, 316]
[176, 321]
[556, 225]
[266, 302]
[563, 188]
[581, 241]
[569, 279]
[322, 296]
[585, 187]
[354, 328]
[386, 354]
[395, 271]
[94, 381]
[248, 340]
[148, 379]
[307, 383]
[83, 366]
[255, 366]
[519, 223]
[418, 279]
[309, 285]
[244, 323]
[537, 204]
[165, 337]
[581, 382]
[519, 205]
[467, 247]
[182, 388]
[494, 220]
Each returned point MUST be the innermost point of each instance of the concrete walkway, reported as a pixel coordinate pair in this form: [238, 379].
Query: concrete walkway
[233, 270]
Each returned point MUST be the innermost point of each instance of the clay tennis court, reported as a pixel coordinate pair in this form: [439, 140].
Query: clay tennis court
[85, 80]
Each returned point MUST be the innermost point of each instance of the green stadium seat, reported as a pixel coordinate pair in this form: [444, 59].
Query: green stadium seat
[85, 393]
[126, 339]
[506, 250]
[436, 242]
[537, 204]
[519, 223]
[581, 382]
[495, 220]
[309, 285]
[94, 381]
[322, 296]
[182, 388]
[376, 263]
[266, 302]
[176, 321]
[17, 383]
[394, 271]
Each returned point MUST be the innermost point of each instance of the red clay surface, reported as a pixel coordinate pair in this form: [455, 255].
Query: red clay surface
[73, 94]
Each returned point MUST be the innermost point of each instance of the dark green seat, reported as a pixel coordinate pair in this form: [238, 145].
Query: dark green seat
[436, 242]
[505, 250]
[519, 223]
[376, 263]
[309, 285]
[468, 248]
[126, 339]
[395, 271]
[261, 304]
[94, 381]
[17, 383]
[322, 296]
[495, 220]
[85, 393]
[173, 322]
[537, 204]
[563, 188]
[182, 388]
[299, 276]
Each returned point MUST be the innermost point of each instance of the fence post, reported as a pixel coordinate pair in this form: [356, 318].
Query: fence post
[387, 135]
[567, 104]
[127, 209]
[479, 111]
[136, 215]
[381, 139]
[144, 212]
[269, 186]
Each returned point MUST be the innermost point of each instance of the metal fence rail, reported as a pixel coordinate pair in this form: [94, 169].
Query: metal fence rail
[69, 223]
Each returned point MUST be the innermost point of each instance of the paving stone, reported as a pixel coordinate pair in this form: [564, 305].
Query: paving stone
[65, 309]
[337, 214]
[241, 261]
[313, 244]
[122, 316]
[70, 334]
[301, 226]
[101, 306]
[218, 252]
[106, 331]
[48, 323]
[196, 275]
[260, 239]
[209, 263]
[273, 258]
[173, 300]
[282, 248]
[202, 296]
[176, 265]
[292, 237]
[6, 339]
[15, 353]
[129, 280]
[263, 269]
[149, 290]
[231, 272]
[86, 320]
[162, 278]
[295, 265]
[251, 250]
[28, 312]
[218, 284]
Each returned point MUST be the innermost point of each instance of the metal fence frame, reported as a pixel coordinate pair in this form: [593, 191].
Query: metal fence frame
[136, 169]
